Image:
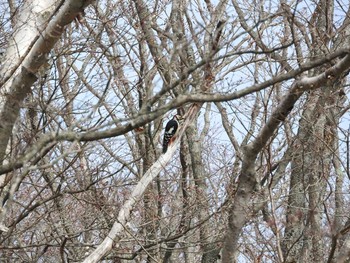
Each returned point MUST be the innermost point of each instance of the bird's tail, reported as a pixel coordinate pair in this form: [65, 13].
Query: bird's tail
[165, 148]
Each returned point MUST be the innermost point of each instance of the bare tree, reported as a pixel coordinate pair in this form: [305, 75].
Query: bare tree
[262, 168]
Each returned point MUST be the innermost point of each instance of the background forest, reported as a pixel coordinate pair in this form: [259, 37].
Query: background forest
[260, 169]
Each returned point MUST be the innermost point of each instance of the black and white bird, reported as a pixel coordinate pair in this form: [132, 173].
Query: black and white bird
[170, 131]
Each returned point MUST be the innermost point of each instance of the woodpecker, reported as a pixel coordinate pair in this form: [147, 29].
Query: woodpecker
[170, 131]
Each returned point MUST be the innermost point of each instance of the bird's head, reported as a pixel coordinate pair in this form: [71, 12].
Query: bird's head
[178, 117]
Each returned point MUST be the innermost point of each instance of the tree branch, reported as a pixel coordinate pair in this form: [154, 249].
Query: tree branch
[248, 186]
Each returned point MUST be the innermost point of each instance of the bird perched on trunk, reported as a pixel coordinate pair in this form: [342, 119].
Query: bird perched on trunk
[170, 131]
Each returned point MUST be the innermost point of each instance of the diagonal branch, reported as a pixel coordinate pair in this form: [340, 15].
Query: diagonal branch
[116, 232]
[124, 214]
